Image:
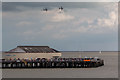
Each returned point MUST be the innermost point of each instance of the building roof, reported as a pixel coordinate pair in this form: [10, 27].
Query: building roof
[32, 49]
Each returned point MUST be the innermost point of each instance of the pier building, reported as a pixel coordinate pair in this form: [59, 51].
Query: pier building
[31, 52]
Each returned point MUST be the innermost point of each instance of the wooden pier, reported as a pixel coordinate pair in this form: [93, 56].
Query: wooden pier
[53, 63]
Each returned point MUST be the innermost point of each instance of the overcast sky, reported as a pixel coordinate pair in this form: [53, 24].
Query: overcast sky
[80, 26]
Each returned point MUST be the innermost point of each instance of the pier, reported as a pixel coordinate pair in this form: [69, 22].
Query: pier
[53, 63]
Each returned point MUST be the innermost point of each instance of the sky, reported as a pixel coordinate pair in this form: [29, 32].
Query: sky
[81, 26]
[60, 0]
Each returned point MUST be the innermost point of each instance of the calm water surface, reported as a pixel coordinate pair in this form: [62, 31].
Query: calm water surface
[109, 70]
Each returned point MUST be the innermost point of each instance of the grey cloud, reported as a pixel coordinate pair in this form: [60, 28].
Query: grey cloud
[13, 6]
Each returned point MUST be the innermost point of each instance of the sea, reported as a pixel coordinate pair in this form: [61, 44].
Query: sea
[109, 70]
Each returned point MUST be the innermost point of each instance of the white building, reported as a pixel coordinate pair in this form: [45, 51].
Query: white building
[31, 52]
